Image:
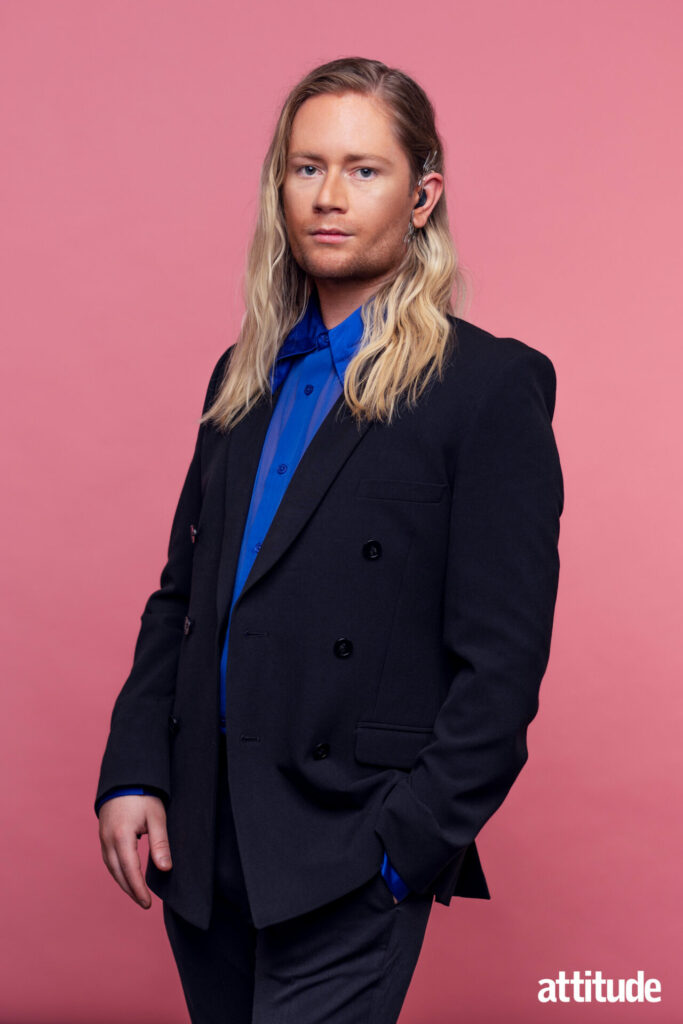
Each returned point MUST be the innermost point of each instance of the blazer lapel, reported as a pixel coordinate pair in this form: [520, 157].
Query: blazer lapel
[328, 450]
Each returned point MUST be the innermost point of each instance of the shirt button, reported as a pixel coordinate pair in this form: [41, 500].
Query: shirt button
[257, 547]
[282, 468]
[308, 389]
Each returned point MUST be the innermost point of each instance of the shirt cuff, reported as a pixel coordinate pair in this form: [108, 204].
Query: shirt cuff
[393, 879]
[121, 791]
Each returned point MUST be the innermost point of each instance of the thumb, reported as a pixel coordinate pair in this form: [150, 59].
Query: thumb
[159, 847]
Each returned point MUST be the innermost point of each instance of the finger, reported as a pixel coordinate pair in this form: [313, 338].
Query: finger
[159, 846]
[110, 858]
[129, 861]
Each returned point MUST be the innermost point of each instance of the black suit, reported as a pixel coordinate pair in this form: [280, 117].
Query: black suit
[386, 651]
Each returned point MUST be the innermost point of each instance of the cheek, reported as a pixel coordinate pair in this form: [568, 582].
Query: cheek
[289, 205]
[384, 231]
[383, 217]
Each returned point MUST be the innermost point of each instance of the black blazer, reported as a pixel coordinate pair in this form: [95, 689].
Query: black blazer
[386, 651]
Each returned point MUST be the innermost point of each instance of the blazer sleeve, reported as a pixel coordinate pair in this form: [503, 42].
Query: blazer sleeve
[500, 590]
[137, 752]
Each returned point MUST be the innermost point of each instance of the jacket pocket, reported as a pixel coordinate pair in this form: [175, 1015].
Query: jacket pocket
[400, 490]
[390, 746]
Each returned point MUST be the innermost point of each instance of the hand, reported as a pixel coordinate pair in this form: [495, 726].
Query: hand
[123, 819]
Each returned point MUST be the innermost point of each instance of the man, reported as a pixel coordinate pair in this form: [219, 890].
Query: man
[331, 689]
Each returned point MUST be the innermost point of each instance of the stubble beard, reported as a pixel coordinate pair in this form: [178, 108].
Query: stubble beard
[378, 262]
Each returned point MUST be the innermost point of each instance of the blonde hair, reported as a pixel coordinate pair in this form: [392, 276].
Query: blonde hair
[406, 332]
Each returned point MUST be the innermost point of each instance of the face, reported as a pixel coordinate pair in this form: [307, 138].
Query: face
[346, 171]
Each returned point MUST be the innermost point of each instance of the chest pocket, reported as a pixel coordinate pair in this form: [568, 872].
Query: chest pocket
[400, 490]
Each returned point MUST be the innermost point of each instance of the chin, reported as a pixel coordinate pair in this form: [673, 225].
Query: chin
[329, 264]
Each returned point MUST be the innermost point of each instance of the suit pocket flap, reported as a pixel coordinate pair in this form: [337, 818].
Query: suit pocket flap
[392, 746]
[400, 490]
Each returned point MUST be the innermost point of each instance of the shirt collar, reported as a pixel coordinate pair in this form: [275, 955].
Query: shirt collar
[310, 333]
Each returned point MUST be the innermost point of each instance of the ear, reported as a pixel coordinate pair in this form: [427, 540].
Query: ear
[433, 185]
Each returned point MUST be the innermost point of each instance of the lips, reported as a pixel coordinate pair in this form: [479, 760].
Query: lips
[329, 236]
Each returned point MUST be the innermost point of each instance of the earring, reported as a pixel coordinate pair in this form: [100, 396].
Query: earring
[410, 233]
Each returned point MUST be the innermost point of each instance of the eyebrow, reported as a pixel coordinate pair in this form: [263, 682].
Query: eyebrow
[350, 157]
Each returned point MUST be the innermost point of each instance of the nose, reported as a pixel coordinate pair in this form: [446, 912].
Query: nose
[332, 193]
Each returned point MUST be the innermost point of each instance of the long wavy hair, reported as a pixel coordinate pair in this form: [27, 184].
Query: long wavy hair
[407, 334]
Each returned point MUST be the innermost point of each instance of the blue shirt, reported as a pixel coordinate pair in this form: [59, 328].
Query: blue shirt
[310, 365]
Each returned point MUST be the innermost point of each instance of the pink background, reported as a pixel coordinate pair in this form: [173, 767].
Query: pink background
[132, 138]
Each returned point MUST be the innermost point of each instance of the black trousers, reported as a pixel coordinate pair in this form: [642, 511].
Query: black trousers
[348, 962]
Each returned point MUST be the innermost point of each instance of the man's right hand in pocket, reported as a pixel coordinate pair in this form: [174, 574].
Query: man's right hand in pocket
[123, 819]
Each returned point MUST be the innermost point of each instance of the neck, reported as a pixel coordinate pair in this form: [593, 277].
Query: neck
[339, 298]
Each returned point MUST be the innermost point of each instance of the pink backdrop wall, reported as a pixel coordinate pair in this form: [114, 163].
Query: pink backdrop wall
[132, 136]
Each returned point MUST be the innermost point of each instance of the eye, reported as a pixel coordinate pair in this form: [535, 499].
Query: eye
[306, 167]
[371, 169]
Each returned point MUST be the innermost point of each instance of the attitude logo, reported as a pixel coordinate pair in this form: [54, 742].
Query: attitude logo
[592, 987]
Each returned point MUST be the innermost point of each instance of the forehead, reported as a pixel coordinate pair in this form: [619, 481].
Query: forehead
[341, 126]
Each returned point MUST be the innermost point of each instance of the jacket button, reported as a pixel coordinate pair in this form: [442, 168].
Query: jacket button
[193, 533]
[187, 625]
[173, 725]
[343, 647]
[321, 751]
[372, 549]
